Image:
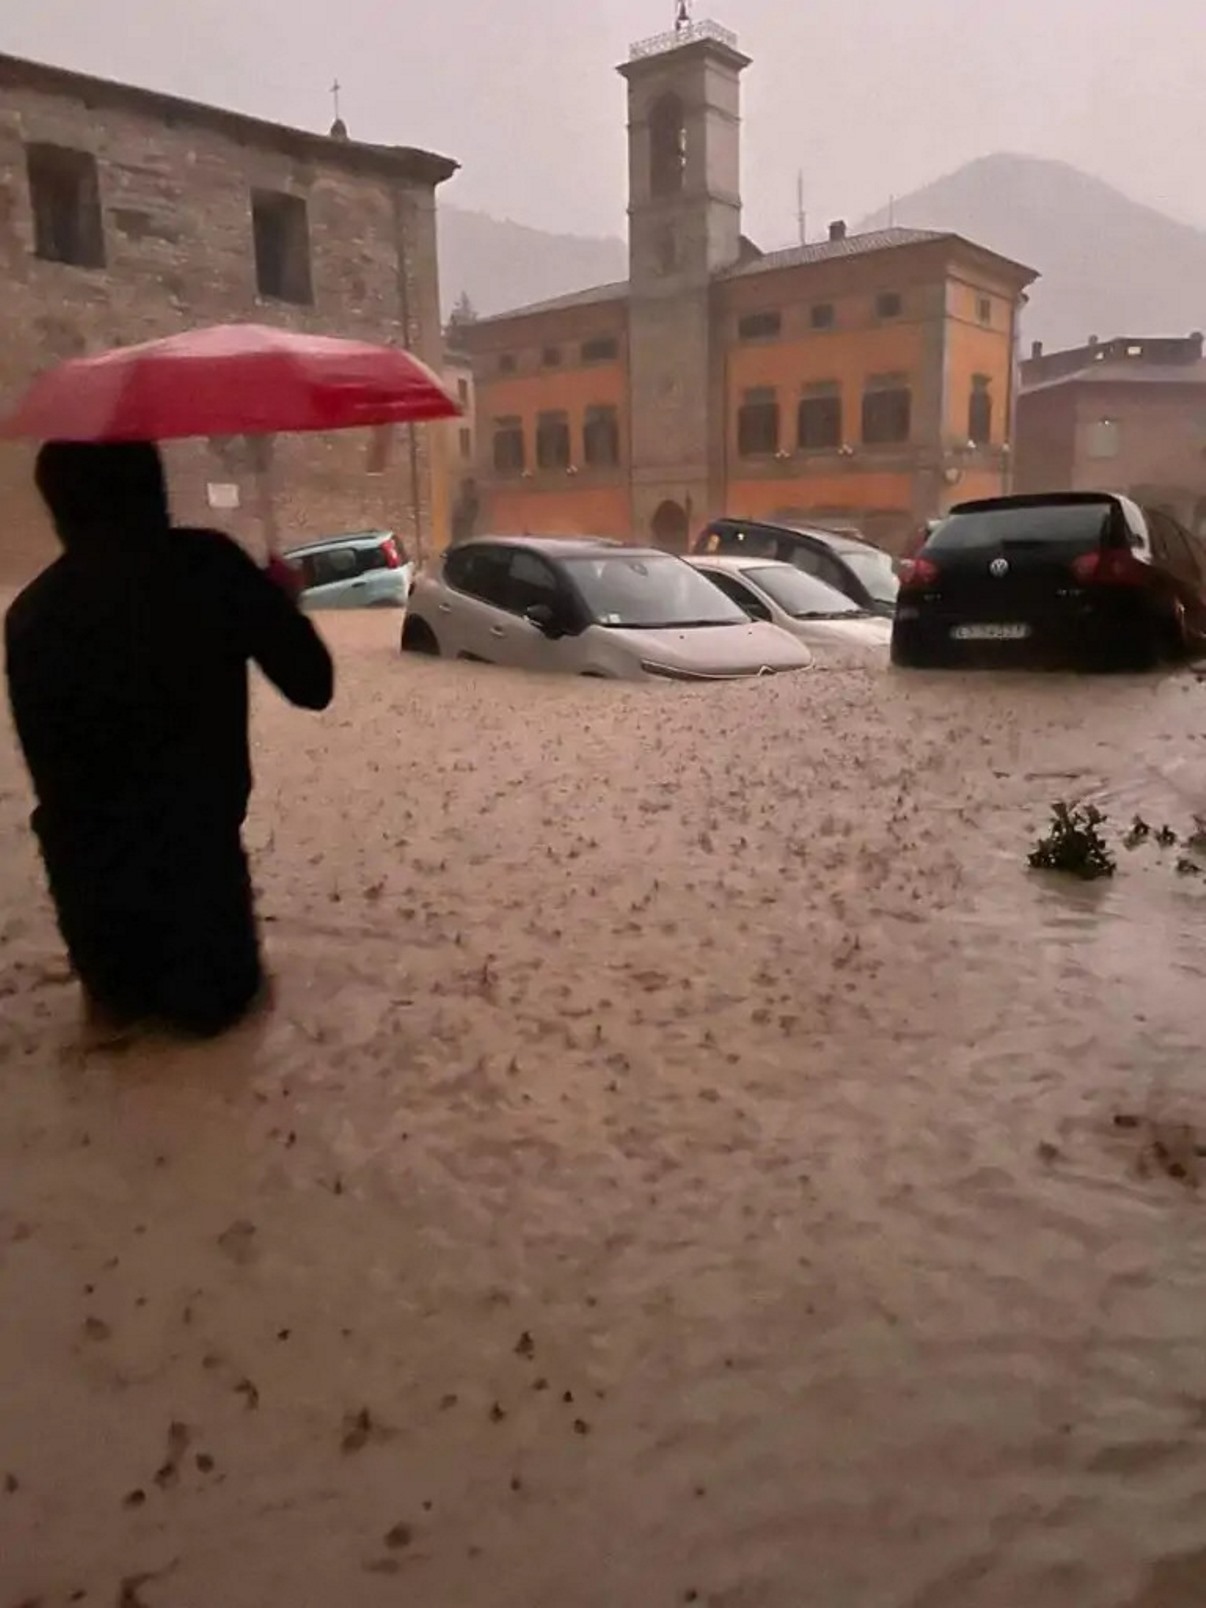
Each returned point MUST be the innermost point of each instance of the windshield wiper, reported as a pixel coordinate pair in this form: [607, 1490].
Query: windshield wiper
[830, 614]
[664, 625]
[698, 625]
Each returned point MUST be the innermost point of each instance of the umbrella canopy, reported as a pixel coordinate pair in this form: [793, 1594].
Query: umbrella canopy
[231, 380]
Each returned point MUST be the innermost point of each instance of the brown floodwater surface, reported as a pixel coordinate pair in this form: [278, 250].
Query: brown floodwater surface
[690, 1160]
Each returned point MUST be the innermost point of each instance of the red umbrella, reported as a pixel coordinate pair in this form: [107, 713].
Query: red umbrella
[232, 380]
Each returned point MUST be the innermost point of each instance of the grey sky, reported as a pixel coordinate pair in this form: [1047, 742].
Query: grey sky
[869, 97]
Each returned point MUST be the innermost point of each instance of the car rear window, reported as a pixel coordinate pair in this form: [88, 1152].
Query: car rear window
[1075, 524]
[740, 543]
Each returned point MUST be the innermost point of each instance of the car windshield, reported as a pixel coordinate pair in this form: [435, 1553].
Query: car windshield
[799, 594]
[647, 590]
[1084, 523]
[875, 570]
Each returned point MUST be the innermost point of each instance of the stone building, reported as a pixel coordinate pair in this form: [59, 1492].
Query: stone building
[127, 214]
[460, 436]
[861, 379]
[1127, 414]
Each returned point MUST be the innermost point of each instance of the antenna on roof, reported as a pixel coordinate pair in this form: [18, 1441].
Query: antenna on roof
[891, 212]
[339, 129]
[801, 216]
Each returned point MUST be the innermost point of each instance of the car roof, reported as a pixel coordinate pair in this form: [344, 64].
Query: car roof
[839, 541]
[349, 539]
[1048, 499]
[738, 561]
[553, 546]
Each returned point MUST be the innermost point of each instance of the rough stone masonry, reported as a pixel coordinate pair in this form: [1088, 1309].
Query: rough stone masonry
[126, 214]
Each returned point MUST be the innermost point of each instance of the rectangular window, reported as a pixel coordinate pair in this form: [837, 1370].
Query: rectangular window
[604, 349]
[510, 457]
[462, 392]
[466, 439]
[889, 304]
[979, 411]
[758, 424]
[759, 326]
[551, 357]
[281, 236]
[64, 194]
[1101, 439]
[506, 363]
[887, 410]
[601, 436]
[552, 441]
[819, 422]
[984, 309]
[823, 316]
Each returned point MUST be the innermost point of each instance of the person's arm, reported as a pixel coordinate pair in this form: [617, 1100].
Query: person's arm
[276, 634]
[283, 641]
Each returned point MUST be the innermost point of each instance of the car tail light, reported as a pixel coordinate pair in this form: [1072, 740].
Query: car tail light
[1110, 566]
[389, 551]
[917, 572]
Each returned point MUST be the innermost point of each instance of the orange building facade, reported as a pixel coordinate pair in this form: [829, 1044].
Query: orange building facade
[863, 380]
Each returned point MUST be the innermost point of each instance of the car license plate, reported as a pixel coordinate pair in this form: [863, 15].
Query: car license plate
[990, 633]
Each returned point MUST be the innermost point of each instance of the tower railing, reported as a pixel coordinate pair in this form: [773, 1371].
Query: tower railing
[689, 34]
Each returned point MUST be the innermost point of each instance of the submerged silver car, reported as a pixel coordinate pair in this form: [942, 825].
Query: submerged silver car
[833, 625]
[588, 607]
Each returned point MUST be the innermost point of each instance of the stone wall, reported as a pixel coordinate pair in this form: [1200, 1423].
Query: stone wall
[175, 194]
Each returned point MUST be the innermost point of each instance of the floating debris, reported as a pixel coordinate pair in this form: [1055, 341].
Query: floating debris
[1074, 844]
[238, 1242]
[360, 1428]
[1139, 833]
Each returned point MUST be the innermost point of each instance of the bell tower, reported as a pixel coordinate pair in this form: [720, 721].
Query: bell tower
[684, 226]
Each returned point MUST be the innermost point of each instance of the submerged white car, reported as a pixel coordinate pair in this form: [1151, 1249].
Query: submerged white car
[588, 607]
[817, 614]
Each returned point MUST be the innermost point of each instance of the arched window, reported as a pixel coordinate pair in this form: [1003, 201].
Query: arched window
[667, 146]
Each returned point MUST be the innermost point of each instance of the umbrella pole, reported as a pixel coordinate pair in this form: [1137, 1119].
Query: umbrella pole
[265, 503]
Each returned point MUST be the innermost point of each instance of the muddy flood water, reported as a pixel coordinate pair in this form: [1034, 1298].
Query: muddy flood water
[691, 1160]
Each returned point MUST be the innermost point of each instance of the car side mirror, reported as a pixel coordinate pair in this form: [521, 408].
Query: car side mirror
[542, 617]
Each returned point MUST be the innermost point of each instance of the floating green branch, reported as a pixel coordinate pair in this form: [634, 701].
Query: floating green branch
[1074, 844]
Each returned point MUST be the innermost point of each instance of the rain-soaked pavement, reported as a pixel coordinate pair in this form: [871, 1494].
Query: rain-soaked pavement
[691, 1160]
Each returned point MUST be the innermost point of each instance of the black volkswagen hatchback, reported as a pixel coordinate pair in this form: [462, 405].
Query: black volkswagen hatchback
[1085, 578]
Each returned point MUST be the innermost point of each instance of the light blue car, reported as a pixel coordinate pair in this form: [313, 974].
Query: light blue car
[364, 570]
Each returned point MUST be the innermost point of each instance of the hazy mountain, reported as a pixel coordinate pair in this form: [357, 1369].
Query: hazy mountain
[1110, 266]
[503, 265]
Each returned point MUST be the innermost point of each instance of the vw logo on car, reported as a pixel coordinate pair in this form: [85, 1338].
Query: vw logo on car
[999, 568]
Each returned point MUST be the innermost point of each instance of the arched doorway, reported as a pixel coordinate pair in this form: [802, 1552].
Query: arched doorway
[670, 526]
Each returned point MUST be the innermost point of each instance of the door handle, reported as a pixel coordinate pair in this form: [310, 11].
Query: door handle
[445, 608]
[497, 631]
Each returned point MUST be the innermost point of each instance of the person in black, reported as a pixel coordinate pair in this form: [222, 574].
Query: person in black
[127, 674]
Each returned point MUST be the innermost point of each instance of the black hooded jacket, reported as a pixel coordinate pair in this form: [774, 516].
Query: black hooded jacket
[127, 659]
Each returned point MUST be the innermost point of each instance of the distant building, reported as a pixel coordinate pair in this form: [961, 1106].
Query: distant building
[460, 438]
[1127, 414]
[861, 379]
[127, 214]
